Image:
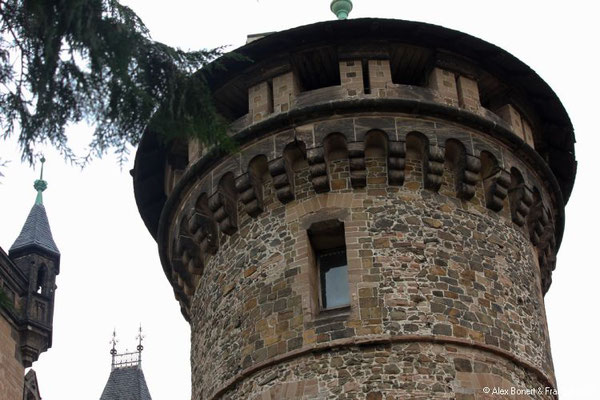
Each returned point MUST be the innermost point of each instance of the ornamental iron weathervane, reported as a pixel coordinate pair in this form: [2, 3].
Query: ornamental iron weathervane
[127, 359]
[140, 337]
[113, 351]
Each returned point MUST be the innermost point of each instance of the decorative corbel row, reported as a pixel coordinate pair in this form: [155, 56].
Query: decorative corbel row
[283, 179]
[433, 168]
[319, 174]
[496, 189]
[204, 232]
[396, 163]
[521, 200]
[538, 222]
[188, 260]
[250, 191]
[546, 280]
[356, 159]
[543, 236]
[547, 261]
[548, 237]
[175, 281]
[180, 296]
[468, 177]
[224, 208]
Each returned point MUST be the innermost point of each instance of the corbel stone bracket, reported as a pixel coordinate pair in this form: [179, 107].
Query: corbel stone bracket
[433, 168]
[496, 189]
[283, 179]
[205, 232]
[224, 209]
[356, 160]
[250, 192]
[396, 163]
[521, 200]
[319, 174]
[468, 177]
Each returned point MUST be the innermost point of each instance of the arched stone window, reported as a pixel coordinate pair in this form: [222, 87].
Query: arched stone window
[42, 277]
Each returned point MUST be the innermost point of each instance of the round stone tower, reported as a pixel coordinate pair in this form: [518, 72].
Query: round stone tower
[387, 228]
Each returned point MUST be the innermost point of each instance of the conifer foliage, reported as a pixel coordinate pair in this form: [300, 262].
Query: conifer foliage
[65, 61]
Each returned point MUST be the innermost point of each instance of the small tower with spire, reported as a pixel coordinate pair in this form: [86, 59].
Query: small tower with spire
[27, 287]
[36, 255]
[126, 379]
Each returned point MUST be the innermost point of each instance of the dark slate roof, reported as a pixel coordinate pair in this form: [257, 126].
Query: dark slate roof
[36, 232]
[126, 383]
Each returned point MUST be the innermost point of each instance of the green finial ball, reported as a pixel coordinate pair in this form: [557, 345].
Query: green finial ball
[341, 8]
[40, 185]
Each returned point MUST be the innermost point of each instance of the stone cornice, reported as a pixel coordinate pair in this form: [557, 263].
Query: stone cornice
[469, 57]
[487, 124]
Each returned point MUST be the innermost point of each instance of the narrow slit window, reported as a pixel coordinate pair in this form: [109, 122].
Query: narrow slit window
[330, 277]
[366, 78]
[333, 274]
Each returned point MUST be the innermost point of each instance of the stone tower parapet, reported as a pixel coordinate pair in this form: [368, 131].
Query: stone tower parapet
[436, 163]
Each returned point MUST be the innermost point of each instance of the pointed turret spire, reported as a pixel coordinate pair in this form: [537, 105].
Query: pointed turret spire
[36, 233]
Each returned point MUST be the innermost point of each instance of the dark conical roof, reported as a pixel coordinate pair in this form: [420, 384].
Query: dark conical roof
[126, 383]
[36, 232]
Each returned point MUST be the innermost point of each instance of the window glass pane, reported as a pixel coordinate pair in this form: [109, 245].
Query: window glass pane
[334, 279]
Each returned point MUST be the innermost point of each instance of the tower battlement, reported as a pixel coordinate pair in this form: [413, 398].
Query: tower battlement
[398, 195]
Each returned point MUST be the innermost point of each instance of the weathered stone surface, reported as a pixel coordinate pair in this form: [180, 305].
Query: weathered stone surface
[418, 266]
[387, 372]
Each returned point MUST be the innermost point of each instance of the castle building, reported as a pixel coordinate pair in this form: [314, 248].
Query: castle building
[387, 228]
[27, 286]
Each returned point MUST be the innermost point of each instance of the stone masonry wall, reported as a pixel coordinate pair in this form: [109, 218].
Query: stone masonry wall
[421, 265]
[11, 369]
[421, 371]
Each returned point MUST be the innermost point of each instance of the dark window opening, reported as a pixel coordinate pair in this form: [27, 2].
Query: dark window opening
[366, 78]
[41, 279]
[316, 68]
[333, 275]
[409, 64]
[329, 246]
[270, 96]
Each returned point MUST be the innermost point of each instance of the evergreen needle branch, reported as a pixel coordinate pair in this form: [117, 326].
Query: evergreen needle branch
[94, 60]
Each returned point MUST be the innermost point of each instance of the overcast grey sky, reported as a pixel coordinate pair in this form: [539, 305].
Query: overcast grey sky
[110, 271]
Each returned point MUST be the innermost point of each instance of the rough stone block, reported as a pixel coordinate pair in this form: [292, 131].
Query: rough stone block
[468, 93]
[513, 118]
[285, 90]
[260, 101]
[380, 76]
[351, 77]
[444, 82]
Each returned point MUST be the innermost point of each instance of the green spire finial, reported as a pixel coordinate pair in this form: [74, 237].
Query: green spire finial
[40, 184]
[341, 8]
